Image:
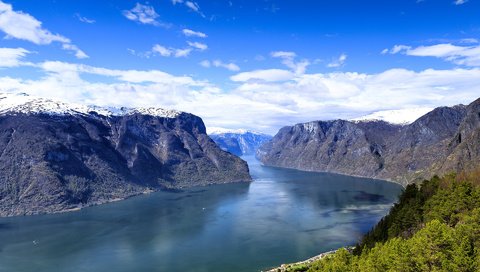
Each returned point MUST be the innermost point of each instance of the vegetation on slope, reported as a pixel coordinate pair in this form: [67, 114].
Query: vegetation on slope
[432, 228]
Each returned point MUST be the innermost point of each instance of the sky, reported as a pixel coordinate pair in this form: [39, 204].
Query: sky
[245, 64]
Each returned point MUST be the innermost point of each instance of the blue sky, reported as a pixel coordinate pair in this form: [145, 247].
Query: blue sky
[246, 64]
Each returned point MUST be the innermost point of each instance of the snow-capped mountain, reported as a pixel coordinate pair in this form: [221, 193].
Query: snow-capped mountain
[239, 142]
[24, 103]
[58, 156]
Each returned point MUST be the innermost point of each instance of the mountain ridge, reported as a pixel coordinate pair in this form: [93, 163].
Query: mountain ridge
[378, 149]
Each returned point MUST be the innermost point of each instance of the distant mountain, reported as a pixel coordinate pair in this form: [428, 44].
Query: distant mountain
[57, 156]
[239, 142]
[443, 140]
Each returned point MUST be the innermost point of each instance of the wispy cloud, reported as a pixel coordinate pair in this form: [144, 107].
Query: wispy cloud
[288, 59]
[460, 2]
[192, 5]
[12, 57]
[23, 26]
[218, 63]
[457, 54]
[84, 19]
[78, 53]
[191, 33]
[338, 62]
[168, 52]
[144, 14]
[198, 46]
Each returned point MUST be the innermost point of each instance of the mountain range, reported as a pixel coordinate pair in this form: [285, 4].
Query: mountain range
[444, 140]
[57, 156]
[239, 142]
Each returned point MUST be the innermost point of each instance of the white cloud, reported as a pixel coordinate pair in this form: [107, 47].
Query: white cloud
[191, 33]
[78, 53]
[270, 75]
[460, 55]
[143, 14]
[163, 51]
[191, 5]
[283, 54]
[167, 52]
[402, 116]
[218, 63]
[197, 45]
[288, 59]
[398, 48]
[23, 26]
[460, 2]
[205, 63]
[339, 62]
[12, 57]
[84, 19]
[179, 53]
[260, 100]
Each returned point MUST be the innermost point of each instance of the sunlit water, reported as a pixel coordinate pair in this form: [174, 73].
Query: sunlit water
[283, 216]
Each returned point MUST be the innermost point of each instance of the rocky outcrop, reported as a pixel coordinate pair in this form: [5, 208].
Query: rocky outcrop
[240, 142]
[445, 139]
[51, 162]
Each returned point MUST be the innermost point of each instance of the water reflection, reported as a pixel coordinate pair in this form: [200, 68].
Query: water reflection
[285, 215]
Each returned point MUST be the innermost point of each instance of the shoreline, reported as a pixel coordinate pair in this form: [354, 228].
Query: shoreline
[287, 267]
[337, 173]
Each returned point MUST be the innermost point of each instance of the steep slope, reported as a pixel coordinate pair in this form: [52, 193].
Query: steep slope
[464, 148]
[376, 149]
[55, 156]
[240, 142]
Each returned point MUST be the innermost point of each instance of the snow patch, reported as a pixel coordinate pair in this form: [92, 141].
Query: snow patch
[402, 117]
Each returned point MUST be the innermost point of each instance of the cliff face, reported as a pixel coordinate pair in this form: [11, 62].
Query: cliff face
[55, 162]
[464, 147]
[240, 143]
[445, 139]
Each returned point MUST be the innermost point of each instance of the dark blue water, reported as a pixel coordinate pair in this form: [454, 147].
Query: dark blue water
[283, 216]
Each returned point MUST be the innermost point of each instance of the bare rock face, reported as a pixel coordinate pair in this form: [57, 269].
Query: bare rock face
[445, 139]
[464, 148]
[56, 162]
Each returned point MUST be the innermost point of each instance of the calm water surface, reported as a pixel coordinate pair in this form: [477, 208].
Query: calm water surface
[283, 216]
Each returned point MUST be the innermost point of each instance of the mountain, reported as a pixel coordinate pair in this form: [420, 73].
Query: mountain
[57, 156]
[239, 142]
[443, 140]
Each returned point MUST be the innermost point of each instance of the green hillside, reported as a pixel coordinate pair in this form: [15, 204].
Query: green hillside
[433, 227]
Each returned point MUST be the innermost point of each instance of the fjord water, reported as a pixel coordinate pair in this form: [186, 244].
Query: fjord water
[283, 216]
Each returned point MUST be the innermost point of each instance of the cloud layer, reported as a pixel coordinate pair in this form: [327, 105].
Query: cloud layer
[263, 100]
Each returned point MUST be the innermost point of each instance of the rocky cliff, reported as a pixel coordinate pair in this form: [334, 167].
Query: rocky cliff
[445, 139]
[55, 156]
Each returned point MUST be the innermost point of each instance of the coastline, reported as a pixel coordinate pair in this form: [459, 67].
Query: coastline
[337, 173]
[288, 267]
